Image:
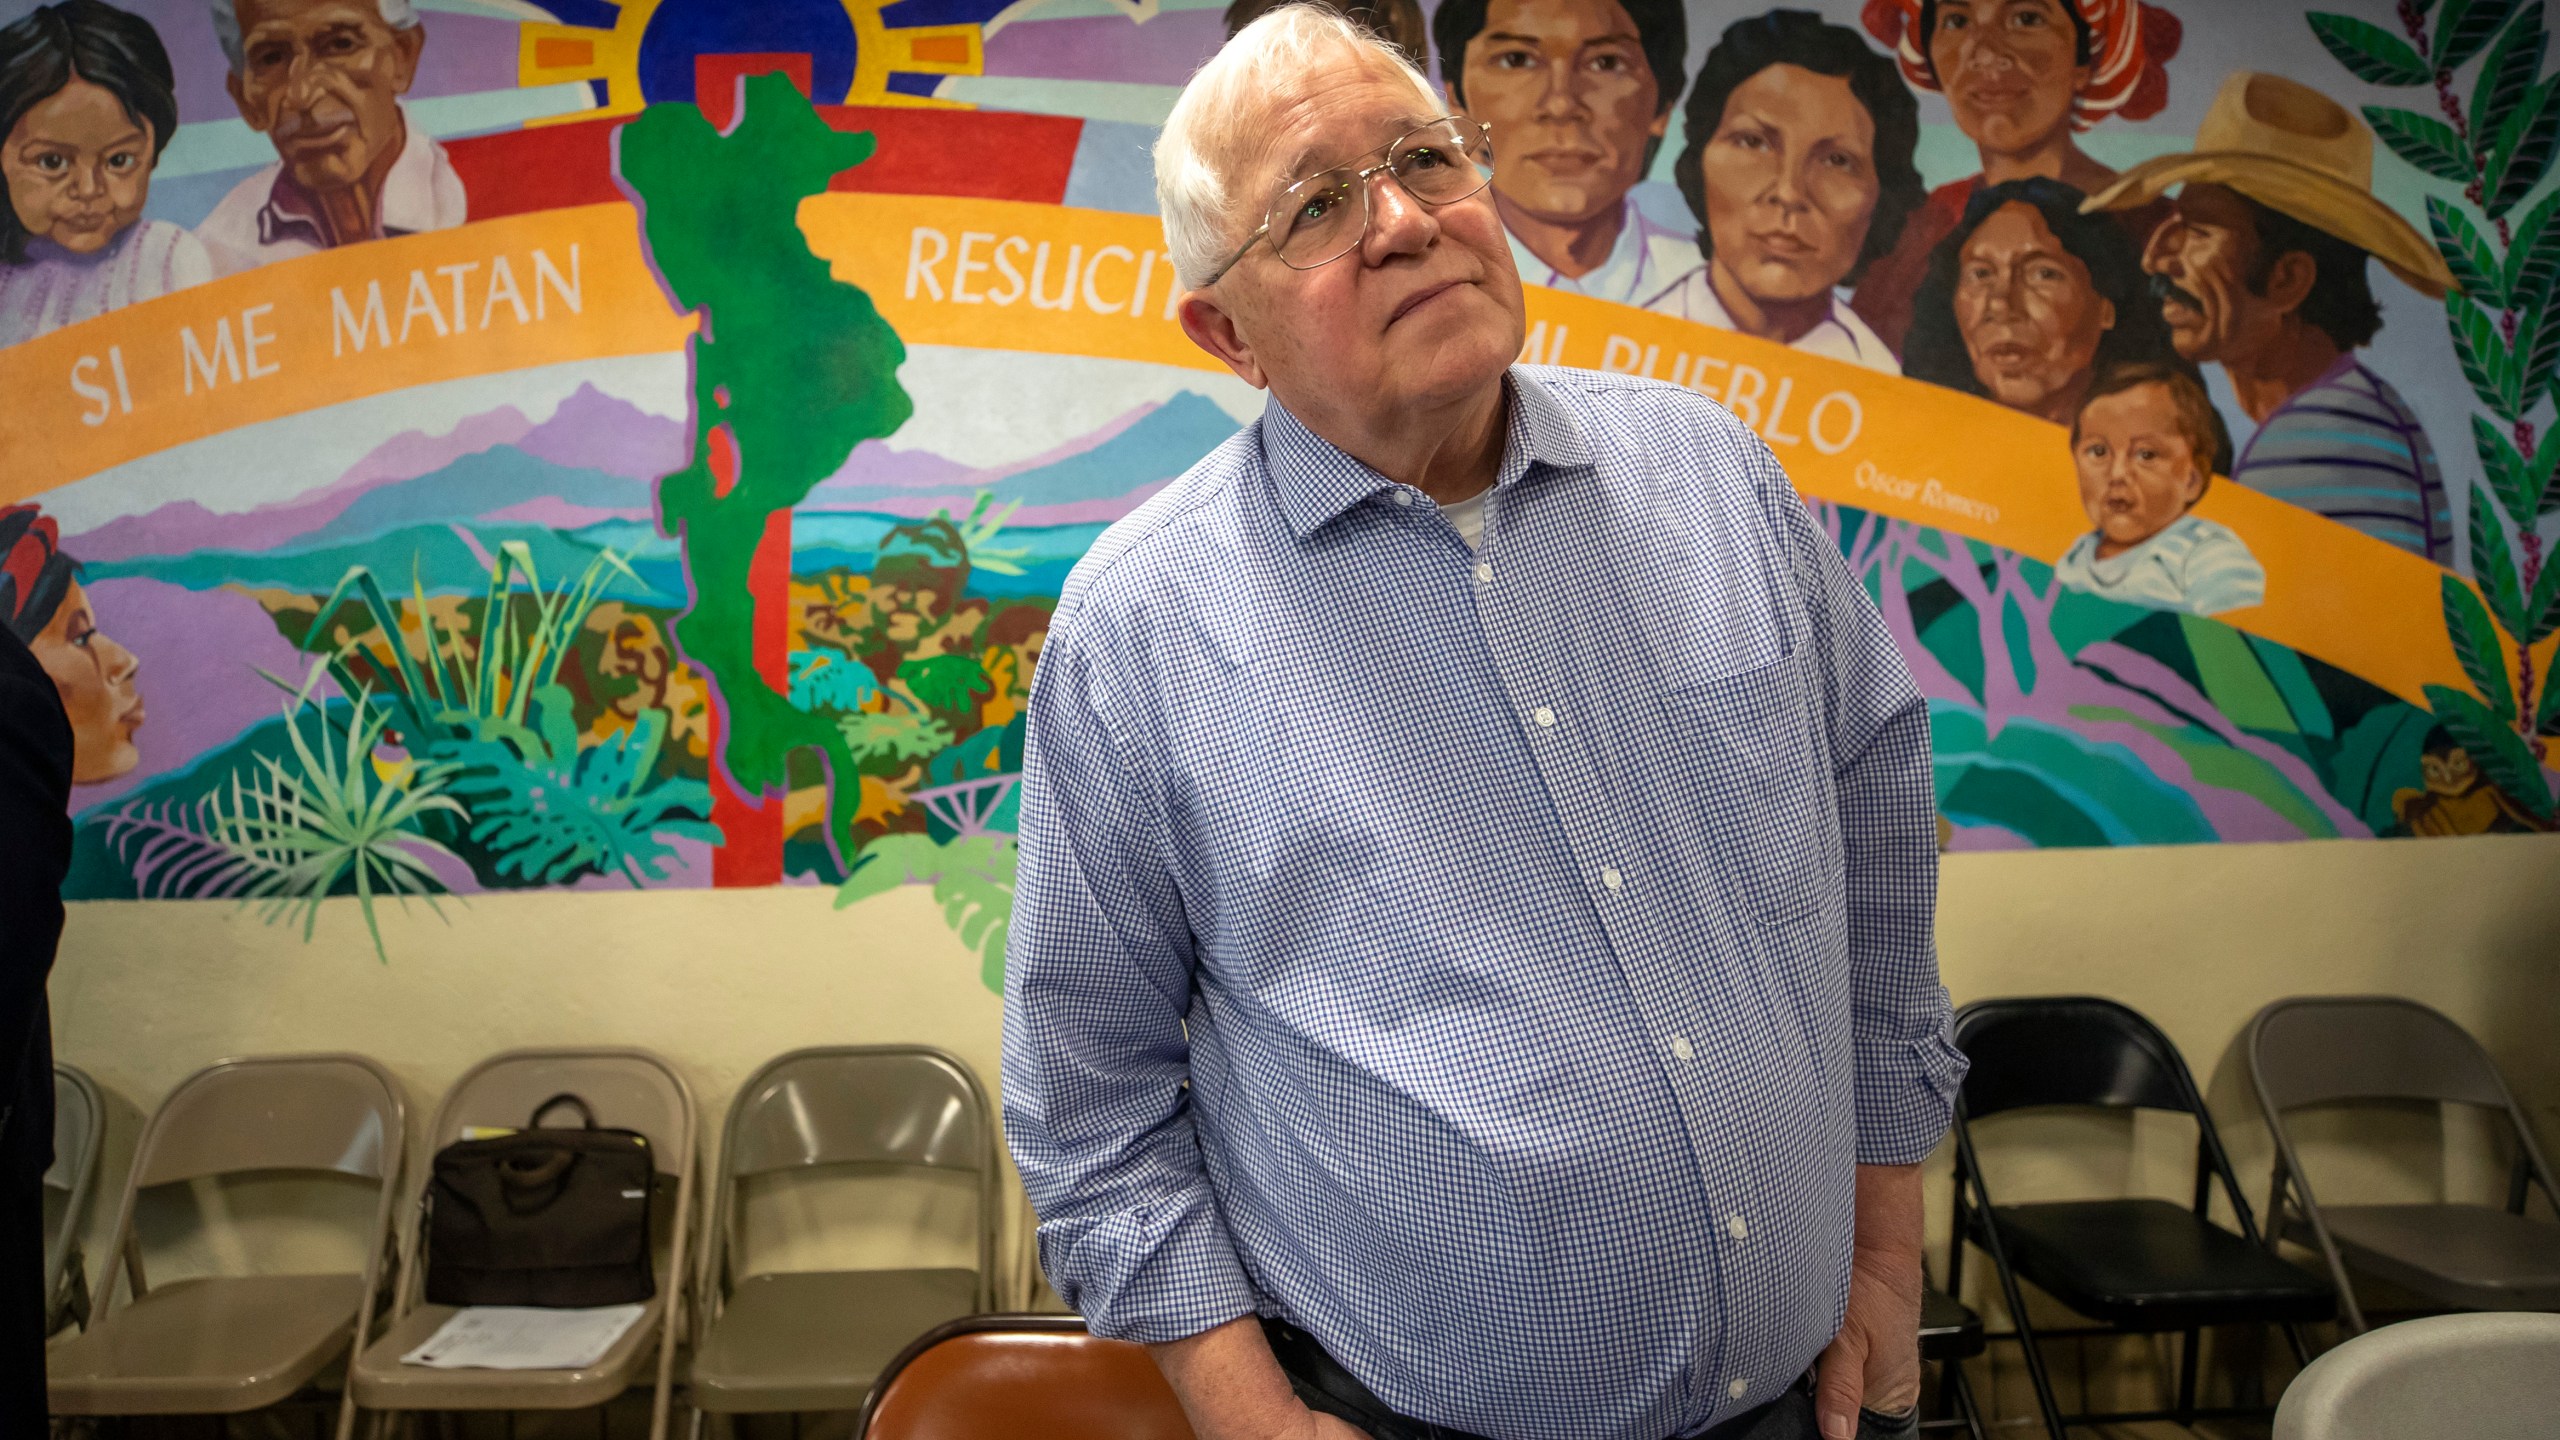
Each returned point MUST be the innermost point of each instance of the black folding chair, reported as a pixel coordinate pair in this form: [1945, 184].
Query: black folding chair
[2137, 1265]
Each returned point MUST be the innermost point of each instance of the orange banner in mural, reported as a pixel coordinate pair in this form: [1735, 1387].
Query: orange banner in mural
[1013, 276]
[340, 325]
[574, 284]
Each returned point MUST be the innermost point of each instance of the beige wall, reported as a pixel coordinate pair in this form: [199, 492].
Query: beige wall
[2197, 937]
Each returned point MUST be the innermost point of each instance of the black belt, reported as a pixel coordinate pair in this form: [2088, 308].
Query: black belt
[1325, 1386]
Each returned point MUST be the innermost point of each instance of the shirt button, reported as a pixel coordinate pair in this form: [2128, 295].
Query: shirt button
[1612, 879]
[1734, 1227]
[1739, 1388]
[1484, 573]
[1544, 716]
[1681, 1047]
[1404, 497]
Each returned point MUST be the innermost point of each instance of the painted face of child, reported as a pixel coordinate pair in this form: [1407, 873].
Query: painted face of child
[2138, 471]
[78, 167]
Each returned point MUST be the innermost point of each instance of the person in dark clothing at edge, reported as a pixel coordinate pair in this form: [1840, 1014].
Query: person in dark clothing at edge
[35, 851]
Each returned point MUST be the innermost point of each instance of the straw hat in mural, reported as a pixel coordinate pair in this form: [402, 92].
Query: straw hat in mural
[2297, 152]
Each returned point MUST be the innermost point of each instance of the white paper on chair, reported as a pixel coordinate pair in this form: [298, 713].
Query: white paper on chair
[512, 1337]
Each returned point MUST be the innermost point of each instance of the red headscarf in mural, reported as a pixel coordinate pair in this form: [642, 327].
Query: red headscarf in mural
[2130, 45]
[31, 573]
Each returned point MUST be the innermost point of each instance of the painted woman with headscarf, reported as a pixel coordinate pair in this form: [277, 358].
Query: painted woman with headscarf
[44, 604]
[2021, 78]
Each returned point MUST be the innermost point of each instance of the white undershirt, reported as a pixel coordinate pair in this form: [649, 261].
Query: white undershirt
[1468, 516]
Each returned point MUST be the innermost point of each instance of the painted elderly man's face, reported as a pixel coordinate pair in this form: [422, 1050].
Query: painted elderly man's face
[2010, 69]
[1426, 312]
[2138, 472]
[1572, 103]
[1790, 181]
[2030, 316]
[319, 77]
[2200, 257]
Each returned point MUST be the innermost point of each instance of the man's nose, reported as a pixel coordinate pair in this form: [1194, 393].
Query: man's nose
[302, 78]
[1398, 223]
[1561, 97]
[2160, 252]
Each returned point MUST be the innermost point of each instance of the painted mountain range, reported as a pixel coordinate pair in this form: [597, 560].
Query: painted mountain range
[586, 478]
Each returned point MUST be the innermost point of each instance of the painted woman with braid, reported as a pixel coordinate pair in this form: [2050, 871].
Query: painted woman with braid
[43, 603]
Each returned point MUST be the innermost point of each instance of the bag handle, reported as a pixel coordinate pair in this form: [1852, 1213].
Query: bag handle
[530, 1182]
[586, 1116]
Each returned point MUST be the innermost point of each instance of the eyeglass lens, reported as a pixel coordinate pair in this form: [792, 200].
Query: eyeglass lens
[1322, 217]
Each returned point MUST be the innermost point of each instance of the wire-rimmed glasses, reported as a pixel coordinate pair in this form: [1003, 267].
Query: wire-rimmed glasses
[1324, 217]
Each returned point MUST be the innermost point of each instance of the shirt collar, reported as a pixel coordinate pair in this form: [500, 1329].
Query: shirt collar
[408, 194]
[1315, 481]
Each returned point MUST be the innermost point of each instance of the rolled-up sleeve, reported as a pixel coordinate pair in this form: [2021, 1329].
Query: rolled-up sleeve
[1908, 1066]
[1098, 976]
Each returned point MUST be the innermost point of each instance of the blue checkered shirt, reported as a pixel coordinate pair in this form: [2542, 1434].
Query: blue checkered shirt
[1491, 963]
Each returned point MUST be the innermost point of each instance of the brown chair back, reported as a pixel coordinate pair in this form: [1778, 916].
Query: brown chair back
[1021, 1377]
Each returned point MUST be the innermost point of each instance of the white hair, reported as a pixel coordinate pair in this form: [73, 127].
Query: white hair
[398, 14]
[1220, 125]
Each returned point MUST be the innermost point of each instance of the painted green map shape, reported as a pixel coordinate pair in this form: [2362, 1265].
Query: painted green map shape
[805, 365]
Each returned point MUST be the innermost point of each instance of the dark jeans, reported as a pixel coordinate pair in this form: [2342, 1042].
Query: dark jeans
[1325, 1386]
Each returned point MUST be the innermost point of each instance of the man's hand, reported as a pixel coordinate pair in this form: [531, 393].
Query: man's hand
[1875, 1360]
[1232, 1388]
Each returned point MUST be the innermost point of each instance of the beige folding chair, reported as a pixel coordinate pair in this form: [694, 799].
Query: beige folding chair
[628, 1090]
[815, 1340]
[70, 1188]
[229, 1344]
[2324, 1050]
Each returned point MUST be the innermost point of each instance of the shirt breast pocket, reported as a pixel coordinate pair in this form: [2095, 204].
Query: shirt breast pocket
[1751, 758]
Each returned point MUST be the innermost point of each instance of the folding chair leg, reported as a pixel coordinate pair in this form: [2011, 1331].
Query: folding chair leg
[2187, 1376]
[1962, 1389]
[2036, 1375]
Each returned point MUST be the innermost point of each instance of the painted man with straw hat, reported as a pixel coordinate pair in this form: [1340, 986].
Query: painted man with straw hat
[2261, 268]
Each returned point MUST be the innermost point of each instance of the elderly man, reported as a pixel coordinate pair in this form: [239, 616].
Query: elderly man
[2261, 266]
[1471, 969]
[323, 80]
[1579, 92]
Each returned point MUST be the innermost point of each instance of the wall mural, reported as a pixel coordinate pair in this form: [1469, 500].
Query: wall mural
[471, 445]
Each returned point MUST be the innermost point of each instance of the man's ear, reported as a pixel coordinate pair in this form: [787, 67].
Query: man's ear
[406, 44]
[2290, 280]
[1214, 330]
[231, 82]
